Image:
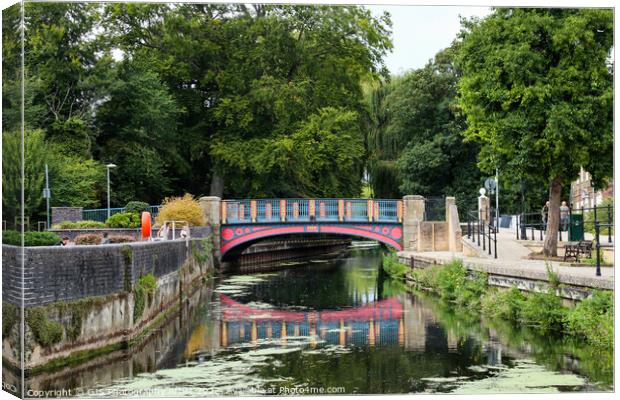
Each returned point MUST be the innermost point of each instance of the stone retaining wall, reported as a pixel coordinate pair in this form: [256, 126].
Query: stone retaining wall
[195, 232]
[56, 273]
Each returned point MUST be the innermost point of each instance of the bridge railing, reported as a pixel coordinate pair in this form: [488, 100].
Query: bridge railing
[311, 210]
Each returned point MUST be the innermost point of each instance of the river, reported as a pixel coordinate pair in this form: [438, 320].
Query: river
[335, 327]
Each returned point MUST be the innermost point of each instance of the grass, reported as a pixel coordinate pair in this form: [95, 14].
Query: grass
[392, 267]
[591, 319]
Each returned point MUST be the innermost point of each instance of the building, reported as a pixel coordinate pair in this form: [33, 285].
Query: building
[583, 195]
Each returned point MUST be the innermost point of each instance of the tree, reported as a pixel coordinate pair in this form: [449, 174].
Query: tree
[536, 88]
[253, 74]
[34, 158]
[137, 130]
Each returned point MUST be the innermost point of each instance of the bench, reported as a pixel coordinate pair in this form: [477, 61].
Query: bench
[575, 249]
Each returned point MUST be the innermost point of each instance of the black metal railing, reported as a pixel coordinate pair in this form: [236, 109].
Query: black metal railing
[484, 233]
[597, 231]
[534, 224]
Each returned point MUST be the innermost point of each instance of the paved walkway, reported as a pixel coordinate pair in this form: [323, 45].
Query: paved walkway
[511, 263]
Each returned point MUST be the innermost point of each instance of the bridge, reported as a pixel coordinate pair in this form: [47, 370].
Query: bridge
[398, 223]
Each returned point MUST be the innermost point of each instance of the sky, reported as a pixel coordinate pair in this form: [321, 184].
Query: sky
[419, 32]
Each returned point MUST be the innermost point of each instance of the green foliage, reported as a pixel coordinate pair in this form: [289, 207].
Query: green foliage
[593, 319]
[124, 220]
[136, 207]
[394, 268]
[503, 304]
[543, 311]
[603, 215]
[34, 160]
[143, 293]
[78, 225]
[46, 332]
[10, 316]
[30, 238]
[202, 256]
[88, 238]
[552, 276]
[75, 181]
[536, 88]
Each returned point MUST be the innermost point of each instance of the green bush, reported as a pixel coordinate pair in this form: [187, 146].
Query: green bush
[45, 332]
[124, 220]
[10, 316]
[602, 214]
[30, 238]
[503, 304]
[143, 293]
[87, 238]
[78, 225]
[473, 289]
[544, 311]
[450, 280]
[592, 319]
[136, 207]
[392, 267]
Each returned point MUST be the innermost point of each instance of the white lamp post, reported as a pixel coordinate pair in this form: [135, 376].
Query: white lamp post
[108, 168]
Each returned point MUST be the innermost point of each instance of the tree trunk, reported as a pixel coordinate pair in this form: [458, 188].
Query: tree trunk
[550, 245]
[217, 186]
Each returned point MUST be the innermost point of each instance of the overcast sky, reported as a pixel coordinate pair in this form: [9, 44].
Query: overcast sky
[419, 32]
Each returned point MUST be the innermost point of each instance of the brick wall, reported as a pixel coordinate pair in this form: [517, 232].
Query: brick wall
[55, 273]
[60, 214]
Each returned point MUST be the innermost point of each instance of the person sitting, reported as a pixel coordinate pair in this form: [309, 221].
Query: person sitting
[64, 241]
[184, 232]
[162, 233]
[105, 239]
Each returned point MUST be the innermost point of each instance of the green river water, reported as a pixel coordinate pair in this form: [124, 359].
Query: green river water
[335, 327]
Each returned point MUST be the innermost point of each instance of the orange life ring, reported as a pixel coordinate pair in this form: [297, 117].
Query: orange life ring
[146, 224]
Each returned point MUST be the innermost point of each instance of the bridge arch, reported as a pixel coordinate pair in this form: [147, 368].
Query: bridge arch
[233, 236]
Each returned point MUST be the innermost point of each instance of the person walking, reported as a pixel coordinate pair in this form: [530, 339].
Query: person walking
[105, 239]
[545, 215]
[162, 233]
[564, 216]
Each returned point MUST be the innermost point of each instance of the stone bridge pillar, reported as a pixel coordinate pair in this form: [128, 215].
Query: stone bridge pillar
[413, 214]
[211, 207]
[454, 226]
[484, 207]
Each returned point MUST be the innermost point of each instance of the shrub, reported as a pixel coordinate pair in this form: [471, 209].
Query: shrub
[392, 267]
[78, 225]
[601, 216]
[426, 278]
[121, 239]
[473, 289]
[450, 279]
[30, 238]
[143, 293]
[45, 332]
[10, 316]
[184, 208]
[544, 311]
[88, 238]
[124, 220]
[592, 319]
[136, 207]
[503, 304]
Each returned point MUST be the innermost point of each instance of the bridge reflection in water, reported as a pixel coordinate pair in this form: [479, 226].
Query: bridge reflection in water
[378, 323]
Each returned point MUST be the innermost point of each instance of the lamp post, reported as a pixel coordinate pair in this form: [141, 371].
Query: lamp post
[109, 166]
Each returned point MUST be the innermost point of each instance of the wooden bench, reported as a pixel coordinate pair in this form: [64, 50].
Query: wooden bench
[575, 249]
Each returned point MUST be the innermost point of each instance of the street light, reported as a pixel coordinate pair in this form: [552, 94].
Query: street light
[108, 168]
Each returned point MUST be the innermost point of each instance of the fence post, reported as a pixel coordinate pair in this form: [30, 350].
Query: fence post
[468, 226]
[489, 239]
[478, 231]
[598, 249]
[495, 244]
[484, 240]
[609, 223]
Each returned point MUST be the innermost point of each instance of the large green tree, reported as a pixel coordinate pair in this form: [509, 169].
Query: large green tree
[537, 92]
[252, 73]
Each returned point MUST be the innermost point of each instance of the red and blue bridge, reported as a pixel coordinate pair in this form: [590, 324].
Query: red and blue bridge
[246, 221]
